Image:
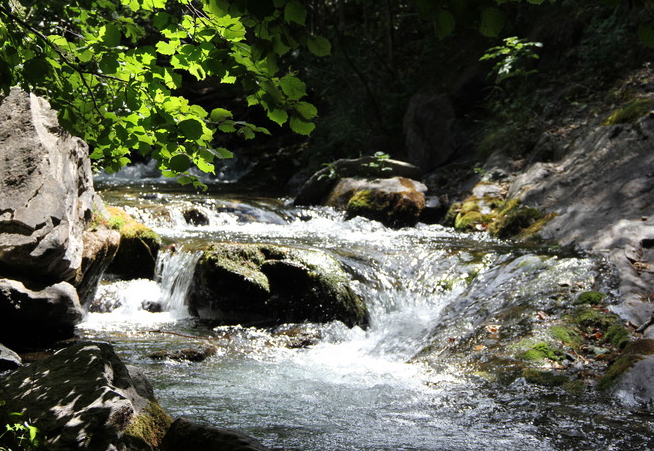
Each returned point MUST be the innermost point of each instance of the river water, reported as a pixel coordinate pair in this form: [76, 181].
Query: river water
[351, 389]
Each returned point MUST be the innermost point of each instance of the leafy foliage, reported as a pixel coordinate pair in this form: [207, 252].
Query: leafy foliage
[114, 69]
[510, 57]
[20, 433]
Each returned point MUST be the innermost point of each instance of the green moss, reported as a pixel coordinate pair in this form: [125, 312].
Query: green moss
[513, 218]
[150, 425]
[129, 228]
[617, 335]
[468, 220]
[545, 378]
[590, 297]
[566, 335]
[542, 351]
[452, 212]
[590, 318]
[630, 112]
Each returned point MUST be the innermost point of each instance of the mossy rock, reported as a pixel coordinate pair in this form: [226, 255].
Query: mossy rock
[565, 335]
[390, 207]
[259, 284]
[139, 245]
[468, 221]
[632, 354]
[150, 426]
[513, 219]
[591, 320]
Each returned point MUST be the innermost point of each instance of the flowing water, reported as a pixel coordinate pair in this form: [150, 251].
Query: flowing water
[351, 389]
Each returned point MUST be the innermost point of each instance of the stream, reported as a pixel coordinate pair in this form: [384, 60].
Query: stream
[354, 389]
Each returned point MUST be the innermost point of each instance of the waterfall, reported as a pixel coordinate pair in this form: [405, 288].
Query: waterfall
[175, 274]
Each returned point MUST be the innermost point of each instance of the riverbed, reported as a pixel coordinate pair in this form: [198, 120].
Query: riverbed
[352, 389]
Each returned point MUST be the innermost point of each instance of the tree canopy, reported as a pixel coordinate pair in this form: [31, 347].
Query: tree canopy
[113, 70]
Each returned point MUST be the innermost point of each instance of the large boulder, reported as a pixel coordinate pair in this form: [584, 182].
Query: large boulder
[395, 202]
[268, 285]
[37, 315]
[188, 436]
[317, 189]
[84, 398]
[46, 191]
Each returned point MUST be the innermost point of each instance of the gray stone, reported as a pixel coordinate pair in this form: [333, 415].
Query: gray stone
[602, 193]
[46, 192]
[635, 388]
[188, 436]
[38, 315]
[84, 398]
[9, 360]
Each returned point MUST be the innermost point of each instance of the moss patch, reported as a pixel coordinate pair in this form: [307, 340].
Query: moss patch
[150, 425]
[630, 113]
[590, 297]
[545, 378]
[542, 351]
[513, 218]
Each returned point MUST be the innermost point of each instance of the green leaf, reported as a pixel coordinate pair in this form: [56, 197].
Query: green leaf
[278, 115]
[492, 21]
[293, 87]
[110, 35]
[220, 114]
[319, 46]
[179, 163]
[445, 23]
[306, 110]
[295, 12]
[167, 48]
[190, 128]
[300, 126]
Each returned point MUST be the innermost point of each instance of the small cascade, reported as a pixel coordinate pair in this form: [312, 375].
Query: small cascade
[175, 274]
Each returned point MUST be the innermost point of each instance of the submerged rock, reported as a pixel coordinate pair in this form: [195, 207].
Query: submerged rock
[37, 315]
[188, 436]
[84, 398]
[267, 284]
[46, 191]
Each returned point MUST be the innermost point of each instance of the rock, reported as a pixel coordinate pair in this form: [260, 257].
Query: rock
[629, 378]
[84, 398]
[395, 202]
[195, 217]
[429, 130]
[188, 436]
[100, 247]
[9, 360]
[38, 315]
[46, 191]
[316, 190]
[267, 284]
[137, 253]
[187, 354]
[600, 193]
